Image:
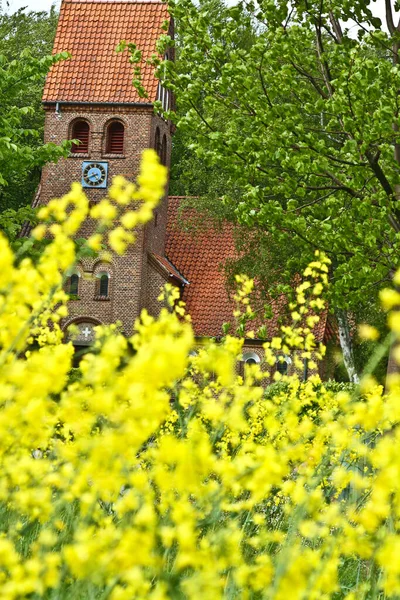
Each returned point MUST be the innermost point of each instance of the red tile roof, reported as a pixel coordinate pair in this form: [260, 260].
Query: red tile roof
[90, 30]
[200, 254]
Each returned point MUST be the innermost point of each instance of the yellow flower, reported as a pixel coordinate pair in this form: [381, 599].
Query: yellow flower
[94, 242]
[394, 321]
[119, 239]
[149, 469]
[39, 232]
[367, 332]
[389, 298]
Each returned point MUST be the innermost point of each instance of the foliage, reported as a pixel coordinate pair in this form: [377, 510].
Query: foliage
[192, 176]
[25, 58]
[154, 474]
[33, 30]
[12, 220]
[21, 149]
[304, 117]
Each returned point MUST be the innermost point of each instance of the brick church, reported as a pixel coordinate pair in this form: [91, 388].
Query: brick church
[90, 98]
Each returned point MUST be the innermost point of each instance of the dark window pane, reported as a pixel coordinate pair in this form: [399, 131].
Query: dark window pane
[251, 361]
[282, 367]
[73, 285]
[104, 285]
[157, 142]
[163, 156]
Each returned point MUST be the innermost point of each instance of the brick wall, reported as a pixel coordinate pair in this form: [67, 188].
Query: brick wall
[132, 284]
[156, 279]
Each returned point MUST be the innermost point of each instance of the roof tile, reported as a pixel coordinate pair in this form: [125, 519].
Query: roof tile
[200, 256]
[90, 30]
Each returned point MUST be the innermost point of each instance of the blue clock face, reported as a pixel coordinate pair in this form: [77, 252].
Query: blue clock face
[94, 174]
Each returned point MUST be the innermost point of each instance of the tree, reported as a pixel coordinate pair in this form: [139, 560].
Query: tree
[305, 119]
[25, 58]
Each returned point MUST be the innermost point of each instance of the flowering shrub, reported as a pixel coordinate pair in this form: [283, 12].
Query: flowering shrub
[157, 474]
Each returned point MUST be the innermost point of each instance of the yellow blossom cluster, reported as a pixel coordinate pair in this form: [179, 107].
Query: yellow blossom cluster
[160, 473]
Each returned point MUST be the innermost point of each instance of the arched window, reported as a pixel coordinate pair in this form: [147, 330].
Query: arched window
[74, 284]
[282, 364]
[251, 358]
[163, 153]
[71, 285]
[115, 138]
[157, 142]
[102, 285]
[251, 361]
[282, 367]
[80, 131]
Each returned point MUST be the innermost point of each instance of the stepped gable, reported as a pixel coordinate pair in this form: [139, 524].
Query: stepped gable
[200, 254]
[90, 30]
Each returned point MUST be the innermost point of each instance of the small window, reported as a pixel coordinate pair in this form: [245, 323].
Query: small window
[71, 286]
[282, 367]
[282, 364]
[102, 285]
[157, 142]
[251, 361]
[115, 138]
[80, 131]
[74, 284]
[251, 358]
[163, 153]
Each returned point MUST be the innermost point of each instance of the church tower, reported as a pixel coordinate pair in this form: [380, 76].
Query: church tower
[90, 97]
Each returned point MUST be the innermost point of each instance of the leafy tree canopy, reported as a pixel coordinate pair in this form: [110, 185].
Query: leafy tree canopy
[25, 58]
[302, 116]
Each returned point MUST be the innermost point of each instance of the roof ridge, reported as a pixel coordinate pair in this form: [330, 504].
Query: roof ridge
[113, 2]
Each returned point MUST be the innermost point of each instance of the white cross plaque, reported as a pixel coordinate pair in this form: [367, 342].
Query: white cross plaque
[86, 332]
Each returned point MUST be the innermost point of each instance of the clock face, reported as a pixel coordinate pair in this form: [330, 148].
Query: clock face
[94, 174]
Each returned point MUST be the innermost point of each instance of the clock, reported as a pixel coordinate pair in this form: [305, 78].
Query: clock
[94, 174]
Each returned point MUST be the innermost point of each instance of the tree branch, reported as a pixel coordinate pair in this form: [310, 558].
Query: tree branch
[264, 87]
[316, 201]
[337, 28]
[389, 17]
[380, 175]
[310, 78]
[321, 55]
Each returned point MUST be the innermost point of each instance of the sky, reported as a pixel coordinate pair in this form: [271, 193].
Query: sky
[30, 4]
[378, 7]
